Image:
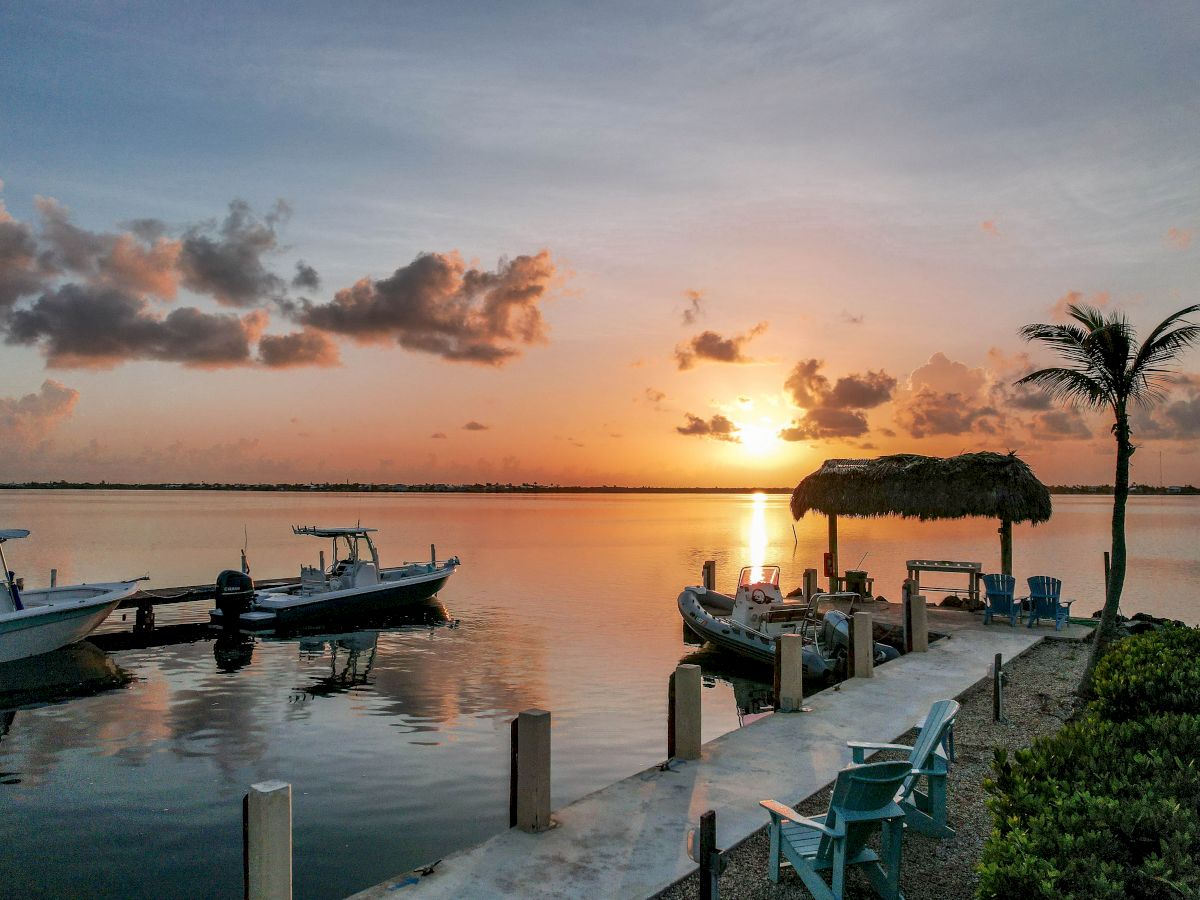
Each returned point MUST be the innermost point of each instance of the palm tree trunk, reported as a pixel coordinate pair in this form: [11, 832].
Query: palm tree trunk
[1116, 574]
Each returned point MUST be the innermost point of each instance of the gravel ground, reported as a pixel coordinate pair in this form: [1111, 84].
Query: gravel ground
[1038, 700]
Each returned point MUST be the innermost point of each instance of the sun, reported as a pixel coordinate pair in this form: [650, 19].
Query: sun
[758, 438]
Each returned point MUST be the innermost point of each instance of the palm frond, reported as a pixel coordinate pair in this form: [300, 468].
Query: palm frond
[1071, 386]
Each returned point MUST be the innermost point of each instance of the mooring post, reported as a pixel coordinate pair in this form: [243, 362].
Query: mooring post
[267, 841]
[683, 719]
[529, 785]
[144, 618]
[790, 666]
[53, 577]
[998, 689]
[810, 583]
[710, 574]
[433, 555]
[863, 645]
[916, 621]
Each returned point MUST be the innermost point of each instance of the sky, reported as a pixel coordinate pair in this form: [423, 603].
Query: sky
[639, 244]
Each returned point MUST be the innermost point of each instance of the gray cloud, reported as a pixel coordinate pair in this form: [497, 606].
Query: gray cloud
[1060, 424]
[301, 348]
[97, 327]
[861, 391]
[708, 345]
[226, 261]
[475, 426]
[694, 309]
[124, 261]
[438, 435]
[20, 274]
[306, 277]
[929, 412]
[718, 427]
[26, 420]
[826, 422]
[806, 384]
[437, 305]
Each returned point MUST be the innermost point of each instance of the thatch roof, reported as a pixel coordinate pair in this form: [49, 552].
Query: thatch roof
[926, 487]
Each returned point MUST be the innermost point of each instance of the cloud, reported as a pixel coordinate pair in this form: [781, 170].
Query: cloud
[1060, 424]
[436, 304]
[124, 261]
[1179, 238]
[990, 228]
[861, 391]
[654, 396]
[930, 412]
[1178, 418]
[708, 345]
[438, 436]
[77, 326]
[226, 261]
[718, 428]
[475, 426]
[823, 422]
[20, 274]
[806, 384]
[693, 309]
[25, 421]
[810, 389]
[301, 348]
[306, 277]
[850, 318]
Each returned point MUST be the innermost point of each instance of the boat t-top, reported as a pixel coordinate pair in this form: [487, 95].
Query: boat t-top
[43, 619]
[353, 582]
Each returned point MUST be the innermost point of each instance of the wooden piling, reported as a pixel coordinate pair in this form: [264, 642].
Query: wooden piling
[267, 841]
[53, 577]
[529, 786]
[708, 856]
[862, 648]
[811, 585]
[710, 574]
[916, 622]
[789, 667]
[685, 715]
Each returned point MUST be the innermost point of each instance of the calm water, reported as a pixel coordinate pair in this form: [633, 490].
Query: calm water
[396, 739]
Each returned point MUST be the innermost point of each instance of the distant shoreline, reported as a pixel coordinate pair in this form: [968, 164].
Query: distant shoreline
[494, 488]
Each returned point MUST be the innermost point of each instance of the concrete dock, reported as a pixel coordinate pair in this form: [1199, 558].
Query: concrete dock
[628, 840]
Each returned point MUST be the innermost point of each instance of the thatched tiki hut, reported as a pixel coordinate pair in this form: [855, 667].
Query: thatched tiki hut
[926, 487]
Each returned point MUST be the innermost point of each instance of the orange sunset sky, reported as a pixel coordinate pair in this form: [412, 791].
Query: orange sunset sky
[671, 245]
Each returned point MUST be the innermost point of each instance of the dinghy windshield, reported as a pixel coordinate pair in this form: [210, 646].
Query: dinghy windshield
[759, 575]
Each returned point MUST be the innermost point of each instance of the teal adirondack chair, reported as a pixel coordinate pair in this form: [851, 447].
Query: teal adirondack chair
[863, 800]
[998, 589]
[1045, 601]
[924, 811]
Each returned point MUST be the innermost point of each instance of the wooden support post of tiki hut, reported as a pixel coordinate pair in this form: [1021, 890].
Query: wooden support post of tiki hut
[1006, 546]
[993, 485]
[833, 553]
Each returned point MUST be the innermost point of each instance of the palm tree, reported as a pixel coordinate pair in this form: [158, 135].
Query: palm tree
[1107, 368]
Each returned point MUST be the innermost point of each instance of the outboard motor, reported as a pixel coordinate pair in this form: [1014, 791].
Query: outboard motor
[234, 593]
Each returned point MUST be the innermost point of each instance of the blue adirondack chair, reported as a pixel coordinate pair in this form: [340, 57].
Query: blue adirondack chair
[998, 590]
[1045, 601]
[924, 811]
[863, 800]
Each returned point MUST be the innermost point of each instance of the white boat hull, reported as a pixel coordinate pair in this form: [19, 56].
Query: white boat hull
[57, 617]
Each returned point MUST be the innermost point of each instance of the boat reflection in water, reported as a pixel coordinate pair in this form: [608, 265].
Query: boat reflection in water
[77, 670]
[753, 696]
[351, 648]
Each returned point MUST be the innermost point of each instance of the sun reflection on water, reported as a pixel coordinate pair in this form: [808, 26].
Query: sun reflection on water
[758, 537]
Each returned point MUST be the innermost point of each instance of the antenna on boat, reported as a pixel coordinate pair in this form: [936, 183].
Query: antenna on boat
[245, 544]
[864, 556]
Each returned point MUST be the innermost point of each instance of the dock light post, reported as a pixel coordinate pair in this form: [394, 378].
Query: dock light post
[683, 713]
[529, 786]
[702, 848]
[267, 841]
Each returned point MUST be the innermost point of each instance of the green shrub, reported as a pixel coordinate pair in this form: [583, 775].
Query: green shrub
[1100, 810]
[1150, 673]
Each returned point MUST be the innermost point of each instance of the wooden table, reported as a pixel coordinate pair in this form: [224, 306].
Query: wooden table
[973, 570]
